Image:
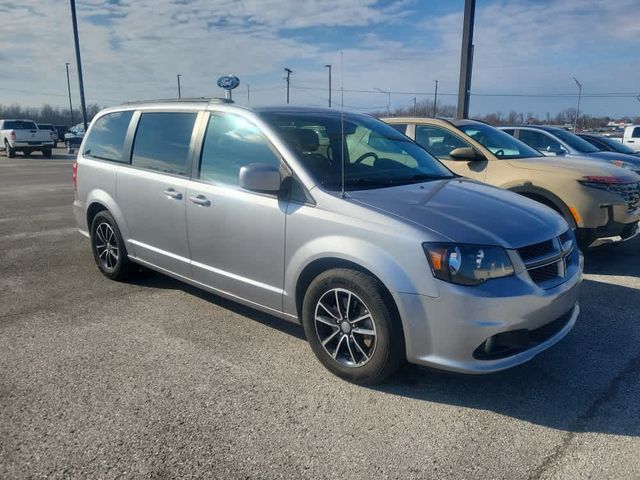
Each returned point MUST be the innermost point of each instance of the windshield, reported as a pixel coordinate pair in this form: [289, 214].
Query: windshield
[501, 144]
[574, 141]
[375, 154]
[617, 146]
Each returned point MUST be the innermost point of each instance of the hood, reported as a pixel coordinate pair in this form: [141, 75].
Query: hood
[613, 156]
[465, 211]
[577, 165]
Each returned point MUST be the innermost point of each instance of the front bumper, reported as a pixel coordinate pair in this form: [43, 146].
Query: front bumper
[446, 332]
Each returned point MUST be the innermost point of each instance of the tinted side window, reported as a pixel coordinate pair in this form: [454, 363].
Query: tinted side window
[106, 139]
[438, 141]
[539, 140]
[162, 142]
[231, 142]
[636, 132]
[510, 131]
[401, 127]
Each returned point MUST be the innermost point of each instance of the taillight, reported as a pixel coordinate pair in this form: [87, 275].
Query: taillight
[74, 175]
[13, 135]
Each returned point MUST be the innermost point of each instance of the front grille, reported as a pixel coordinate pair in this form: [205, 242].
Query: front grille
[631, 194]
[547, 262]
[536, 250]
[542, 274]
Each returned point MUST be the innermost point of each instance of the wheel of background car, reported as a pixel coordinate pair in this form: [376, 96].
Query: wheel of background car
[8, 151]
[46, 153]
[351, 327]
[109, 250]
[26, 153]
[366, 155]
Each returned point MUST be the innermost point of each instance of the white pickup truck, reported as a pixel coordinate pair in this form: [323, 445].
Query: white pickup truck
[24, 136]
[631, 137]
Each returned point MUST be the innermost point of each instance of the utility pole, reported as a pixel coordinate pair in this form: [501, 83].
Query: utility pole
[575, 125]
[248, 96]
[466, 59]
[179, 92]
[289, 72]
[329, 67]
[414, 107]
[435, 100]
[74, 21]
[388, 99]
[73, 122]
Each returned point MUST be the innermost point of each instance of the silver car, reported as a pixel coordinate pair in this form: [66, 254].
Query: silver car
[336, 220]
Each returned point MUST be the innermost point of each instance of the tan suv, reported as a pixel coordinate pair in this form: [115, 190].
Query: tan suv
[601, 201]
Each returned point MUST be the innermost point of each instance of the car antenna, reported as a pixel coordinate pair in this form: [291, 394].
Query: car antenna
[342, 194]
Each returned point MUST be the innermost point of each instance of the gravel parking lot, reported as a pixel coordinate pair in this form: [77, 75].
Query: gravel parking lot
[153, 378]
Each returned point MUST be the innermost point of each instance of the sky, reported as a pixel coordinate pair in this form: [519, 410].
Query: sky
[526, 53]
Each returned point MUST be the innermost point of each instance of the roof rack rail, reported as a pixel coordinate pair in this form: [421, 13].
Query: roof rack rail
[181, 100]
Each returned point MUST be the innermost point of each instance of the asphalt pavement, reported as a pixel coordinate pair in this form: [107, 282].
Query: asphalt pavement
[156, 379]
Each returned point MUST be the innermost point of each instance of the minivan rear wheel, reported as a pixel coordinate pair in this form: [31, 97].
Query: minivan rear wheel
[351, 327]
[109, 250]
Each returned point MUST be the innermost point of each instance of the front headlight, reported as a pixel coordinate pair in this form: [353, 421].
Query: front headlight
[467, 264]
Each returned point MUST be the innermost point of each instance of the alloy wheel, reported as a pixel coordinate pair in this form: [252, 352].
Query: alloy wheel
[345, 327]
[106, 246]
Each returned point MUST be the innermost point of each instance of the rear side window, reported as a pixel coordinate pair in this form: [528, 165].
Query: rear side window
[106, 139]
[231, 142]
[19, 125]
[162, 142]
[636, 132]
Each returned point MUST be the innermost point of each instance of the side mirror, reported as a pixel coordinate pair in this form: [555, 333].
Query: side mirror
[260, 177]
[466, 154]
[556, 150]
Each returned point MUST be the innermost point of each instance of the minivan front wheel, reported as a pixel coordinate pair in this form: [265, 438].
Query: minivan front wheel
[351, 327]
[108, 247]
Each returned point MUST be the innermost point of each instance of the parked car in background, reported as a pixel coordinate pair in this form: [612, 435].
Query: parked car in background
[631, 137]
[608, 144]
[24, 136]
[51, 128]
[339, 221]
[556, 141]
[600, 200]
[73, 137]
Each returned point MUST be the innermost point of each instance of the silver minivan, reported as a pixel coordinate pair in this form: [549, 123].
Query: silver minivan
[336, 220]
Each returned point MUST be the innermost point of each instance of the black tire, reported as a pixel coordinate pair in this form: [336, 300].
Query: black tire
[26, 153]
[115, 268]
[386, 348]
[9, 152]
[55, 144]
[46, 153]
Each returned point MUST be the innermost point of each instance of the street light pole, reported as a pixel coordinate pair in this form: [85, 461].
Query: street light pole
[435, 100]
[466, 59]
[329, 67]
[69, 89]
[248, 96]
[289, 72]
[575, 124]
[179, 92]
[388, 99]
[74, 21]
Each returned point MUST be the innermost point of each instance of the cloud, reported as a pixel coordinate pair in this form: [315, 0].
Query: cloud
[133, 49]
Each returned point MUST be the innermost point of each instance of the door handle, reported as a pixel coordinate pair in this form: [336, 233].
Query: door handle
[631, 141]
[172, 193]
[200, 200]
